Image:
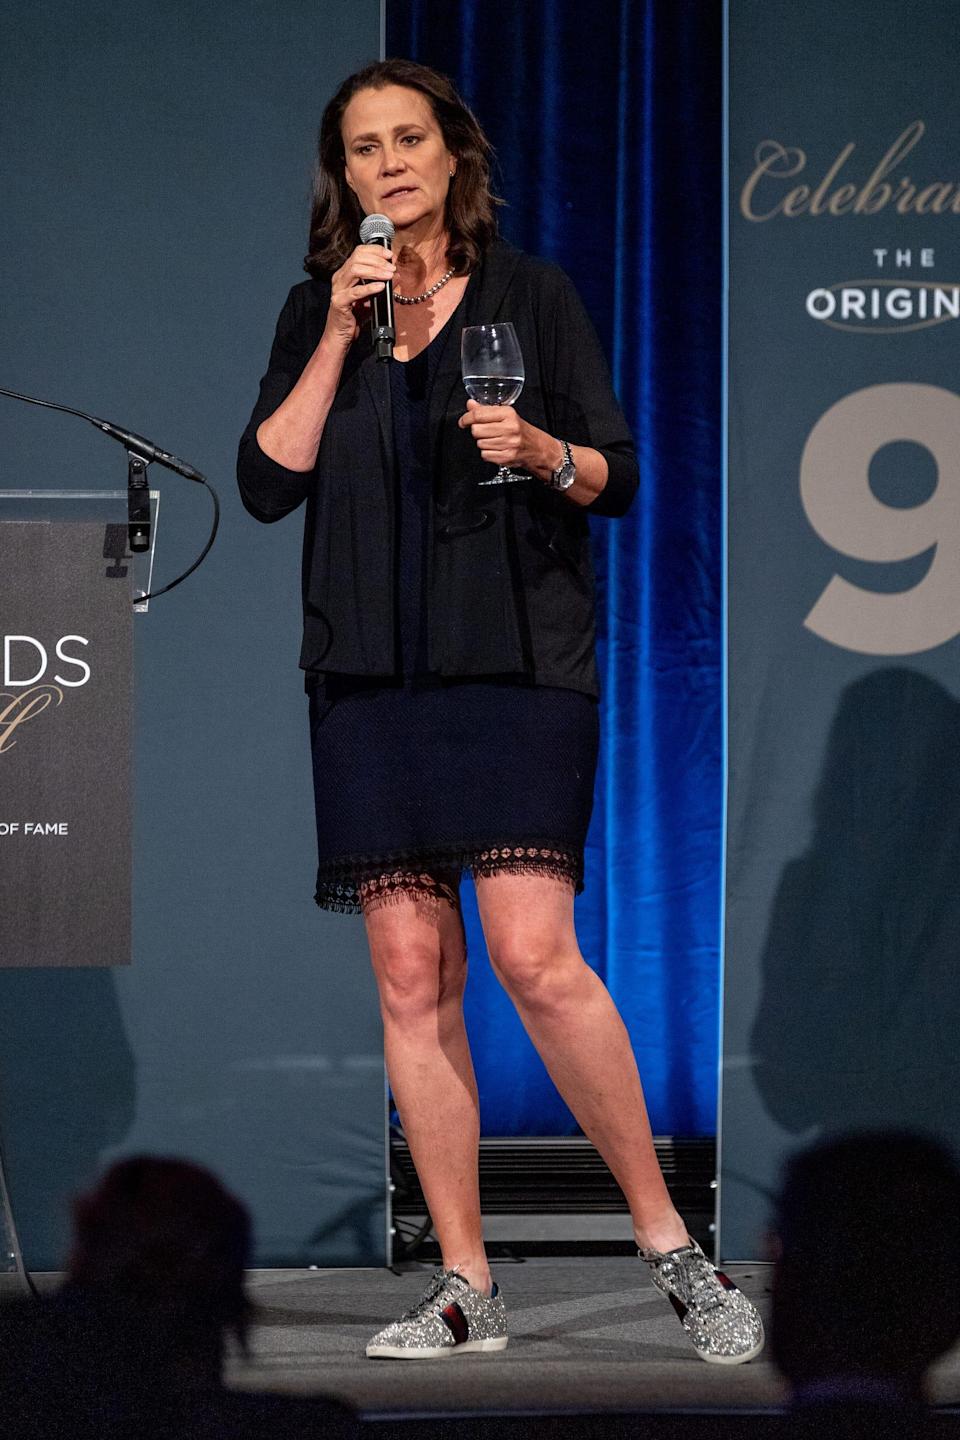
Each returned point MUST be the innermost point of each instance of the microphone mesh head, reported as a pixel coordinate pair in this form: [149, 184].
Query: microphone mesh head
[376, 227]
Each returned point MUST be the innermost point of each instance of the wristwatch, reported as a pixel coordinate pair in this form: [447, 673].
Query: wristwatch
[564, 477]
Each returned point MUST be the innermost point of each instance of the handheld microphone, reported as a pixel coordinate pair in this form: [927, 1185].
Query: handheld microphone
[378, 230]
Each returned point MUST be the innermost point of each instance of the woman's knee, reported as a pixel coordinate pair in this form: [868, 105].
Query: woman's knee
[538, 970]
[416, 977]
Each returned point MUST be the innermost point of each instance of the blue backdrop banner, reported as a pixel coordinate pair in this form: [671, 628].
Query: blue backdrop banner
[610, 161]
[841, 987]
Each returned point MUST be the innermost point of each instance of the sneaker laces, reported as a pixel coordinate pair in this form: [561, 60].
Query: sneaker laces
[439, 1282]
[704, 1291]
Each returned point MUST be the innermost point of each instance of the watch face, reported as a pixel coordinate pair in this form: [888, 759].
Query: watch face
[565, 476]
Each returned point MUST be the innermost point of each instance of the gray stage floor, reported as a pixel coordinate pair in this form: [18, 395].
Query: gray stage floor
[590, 1334]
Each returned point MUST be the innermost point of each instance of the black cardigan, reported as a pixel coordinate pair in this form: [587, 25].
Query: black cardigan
[510, 581]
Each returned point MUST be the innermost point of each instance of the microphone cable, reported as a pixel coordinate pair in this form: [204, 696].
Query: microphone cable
[148, 452]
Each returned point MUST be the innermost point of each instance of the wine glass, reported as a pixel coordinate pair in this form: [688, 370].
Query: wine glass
[492, 367]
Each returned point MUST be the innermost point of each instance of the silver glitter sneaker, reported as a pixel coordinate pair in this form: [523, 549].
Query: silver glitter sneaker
[723, 1324]
[450, 1318]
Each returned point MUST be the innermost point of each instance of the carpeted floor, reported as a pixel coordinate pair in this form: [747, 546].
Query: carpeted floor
[586, 1333]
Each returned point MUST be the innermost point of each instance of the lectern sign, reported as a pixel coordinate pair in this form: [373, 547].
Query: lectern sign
[65, 738]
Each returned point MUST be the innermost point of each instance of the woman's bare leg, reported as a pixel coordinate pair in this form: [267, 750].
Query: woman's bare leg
[577, 1030]
[419, 956]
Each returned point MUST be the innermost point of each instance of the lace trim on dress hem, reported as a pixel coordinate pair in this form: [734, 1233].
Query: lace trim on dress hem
[352, 886]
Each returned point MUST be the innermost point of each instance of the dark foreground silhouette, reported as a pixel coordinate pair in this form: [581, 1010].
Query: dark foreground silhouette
[866, 1285]
[133, 1344]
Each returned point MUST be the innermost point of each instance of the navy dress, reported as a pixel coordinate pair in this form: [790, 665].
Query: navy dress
[418, 777]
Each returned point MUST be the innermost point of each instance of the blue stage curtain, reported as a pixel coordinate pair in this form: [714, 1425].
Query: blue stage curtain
[607, 124]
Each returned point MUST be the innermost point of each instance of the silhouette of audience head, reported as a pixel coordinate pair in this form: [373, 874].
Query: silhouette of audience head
[866, 1282]
[166, 1238]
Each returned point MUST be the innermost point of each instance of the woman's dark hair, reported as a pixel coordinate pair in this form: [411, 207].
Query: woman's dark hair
[169, 1236]
[336, 214]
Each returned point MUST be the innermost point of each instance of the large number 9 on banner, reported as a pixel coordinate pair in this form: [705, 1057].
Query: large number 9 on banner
[841, 507]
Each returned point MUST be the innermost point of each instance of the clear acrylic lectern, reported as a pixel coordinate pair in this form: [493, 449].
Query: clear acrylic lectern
[87, 507]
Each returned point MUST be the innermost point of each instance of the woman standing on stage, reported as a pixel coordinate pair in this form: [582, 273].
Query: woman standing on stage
[448, 645]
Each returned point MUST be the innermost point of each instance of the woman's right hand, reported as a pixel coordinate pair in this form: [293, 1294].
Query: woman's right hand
[364, 273]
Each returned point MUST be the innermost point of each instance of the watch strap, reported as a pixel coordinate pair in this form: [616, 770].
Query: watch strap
[558, 477]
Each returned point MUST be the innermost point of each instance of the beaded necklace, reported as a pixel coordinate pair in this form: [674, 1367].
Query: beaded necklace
[418, 299]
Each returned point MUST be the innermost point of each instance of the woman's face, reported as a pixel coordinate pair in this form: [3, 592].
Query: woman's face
[397, 163]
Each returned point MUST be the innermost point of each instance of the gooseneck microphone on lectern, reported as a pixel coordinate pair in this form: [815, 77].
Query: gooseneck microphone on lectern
[141, 452]
[378, 230]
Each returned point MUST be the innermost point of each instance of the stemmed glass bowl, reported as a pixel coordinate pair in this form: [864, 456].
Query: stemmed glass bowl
[491, 363]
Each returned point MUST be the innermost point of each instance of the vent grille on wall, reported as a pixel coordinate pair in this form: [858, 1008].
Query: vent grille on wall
[562, 1181]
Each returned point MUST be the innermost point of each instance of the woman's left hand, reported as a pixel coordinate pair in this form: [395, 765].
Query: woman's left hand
[503, 438]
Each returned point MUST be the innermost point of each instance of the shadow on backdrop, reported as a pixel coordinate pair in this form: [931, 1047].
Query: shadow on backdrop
[856, 1025]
